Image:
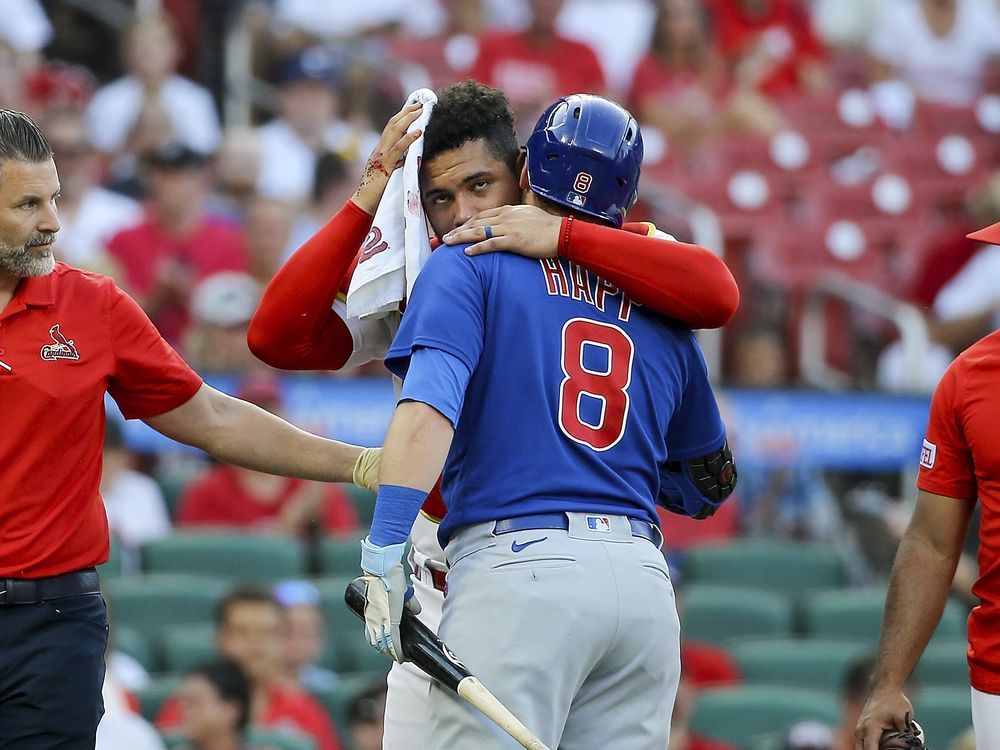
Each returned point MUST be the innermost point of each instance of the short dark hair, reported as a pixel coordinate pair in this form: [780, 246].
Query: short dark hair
[857, 679]
[230, 682]
[244, 594]
[21, 139]
[331, 168]
[368, 705]
[472, 111]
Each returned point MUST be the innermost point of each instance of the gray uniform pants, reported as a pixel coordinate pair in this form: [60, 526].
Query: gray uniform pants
[576, 634]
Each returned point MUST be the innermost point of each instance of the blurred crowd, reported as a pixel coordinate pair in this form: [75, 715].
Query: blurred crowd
[200, 143]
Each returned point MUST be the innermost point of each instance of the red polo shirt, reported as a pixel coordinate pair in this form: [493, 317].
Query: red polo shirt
[961, 459]
[66, 339]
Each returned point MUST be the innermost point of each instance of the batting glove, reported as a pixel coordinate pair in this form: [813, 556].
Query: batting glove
[386, 593]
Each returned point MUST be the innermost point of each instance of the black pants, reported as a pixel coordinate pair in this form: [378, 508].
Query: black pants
[52, 672]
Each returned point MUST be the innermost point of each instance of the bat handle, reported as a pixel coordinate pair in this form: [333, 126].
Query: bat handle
[472, 690]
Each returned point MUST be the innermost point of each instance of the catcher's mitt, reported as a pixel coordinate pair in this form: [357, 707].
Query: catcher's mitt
[911, 738]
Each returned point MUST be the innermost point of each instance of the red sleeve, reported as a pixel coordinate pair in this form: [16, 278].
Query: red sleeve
[340, 516]
[946, 466]
[150, 378]
[316, 723]
[295, 327]
[682, 281]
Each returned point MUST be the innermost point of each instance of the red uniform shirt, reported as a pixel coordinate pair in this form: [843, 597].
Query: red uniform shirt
[220, 499]
[961, 459]
[66, 339]
[534, 76]
[213, 246]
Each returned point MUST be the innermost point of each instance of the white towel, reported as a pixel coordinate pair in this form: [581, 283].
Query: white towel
[382, 281]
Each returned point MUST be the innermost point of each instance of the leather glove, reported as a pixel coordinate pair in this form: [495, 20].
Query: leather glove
[366, 469]
[386, 593]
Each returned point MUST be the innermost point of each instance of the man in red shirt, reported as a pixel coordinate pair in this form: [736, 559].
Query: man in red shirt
[249, 628]
[959, 463]
[536, 66]
[67, 338]
[178, 244]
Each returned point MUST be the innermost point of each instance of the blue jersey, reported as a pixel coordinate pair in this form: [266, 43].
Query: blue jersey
[575, 391]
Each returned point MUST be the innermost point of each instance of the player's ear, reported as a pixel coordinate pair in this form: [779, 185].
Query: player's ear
[522, 181]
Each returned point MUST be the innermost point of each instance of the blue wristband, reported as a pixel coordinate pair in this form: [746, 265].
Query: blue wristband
[396, 509]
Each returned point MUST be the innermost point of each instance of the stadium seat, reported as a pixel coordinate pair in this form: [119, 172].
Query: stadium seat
[786, 567]
[856, 615]
[337, 699]
[134, 643]
[364, 503]
[944, 663]
[154, 695]
[943, 712]
[340, 557]
[717, 614]
[113, 567]
[236, 556]
[734, 714]
[279, 739]
[186, 646]
[346, 647]
[807, 663]
[150, 603]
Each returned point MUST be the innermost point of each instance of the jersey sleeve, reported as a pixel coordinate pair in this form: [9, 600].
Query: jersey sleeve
[946, 466]
[696, 428]
[149, 377]
[447, 310]
[676, 279]
[296, 326]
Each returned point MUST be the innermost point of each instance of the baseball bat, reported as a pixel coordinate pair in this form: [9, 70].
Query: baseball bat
[427, 651]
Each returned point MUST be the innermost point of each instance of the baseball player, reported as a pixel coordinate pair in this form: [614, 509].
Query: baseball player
[959, 463]
[471, 164]
[550, 398]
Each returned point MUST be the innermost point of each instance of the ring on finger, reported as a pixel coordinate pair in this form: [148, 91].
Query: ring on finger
[489, 232]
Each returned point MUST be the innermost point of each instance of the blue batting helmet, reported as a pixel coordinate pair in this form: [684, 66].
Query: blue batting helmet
[585, 153]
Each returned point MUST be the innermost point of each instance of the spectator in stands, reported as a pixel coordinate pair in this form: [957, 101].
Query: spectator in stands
[268, 231]
[333, 184]
[678, 86]
[151, 87]
[366, 714]
[939, 48]
[305, 637]
[90, 215]
[308, 124]
[249, 628]
[233, 497]
[137, 512]
[537, 66]
[215, 706]
[221, 307]
[122, 726]
[681, 736]
[320, 20]
[237, 165]
[178, 243]
[769, 45]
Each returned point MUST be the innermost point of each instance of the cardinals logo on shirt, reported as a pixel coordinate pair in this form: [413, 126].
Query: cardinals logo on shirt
[60, 348]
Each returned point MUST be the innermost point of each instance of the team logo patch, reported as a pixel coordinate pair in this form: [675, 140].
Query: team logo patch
[576, 199]
[599, 523]
[60, 348]
[928, 453]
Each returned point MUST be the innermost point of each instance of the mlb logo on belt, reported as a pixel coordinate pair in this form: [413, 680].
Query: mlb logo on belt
[599, 523]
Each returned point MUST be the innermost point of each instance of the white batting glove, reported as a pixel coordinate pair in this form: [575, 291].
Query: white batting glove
[386, 593]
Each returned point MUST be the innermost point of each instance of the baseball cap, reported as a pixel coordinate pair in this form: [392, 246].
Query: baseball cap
[296, 592]
[176, 156]
[227, 298]
[809, 735]
[313, 64]
[990, 234]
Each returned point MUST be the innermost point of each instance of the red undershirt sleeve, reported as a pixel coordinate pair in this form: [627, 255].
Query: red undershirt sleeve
[676, 279]
[295, 327]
